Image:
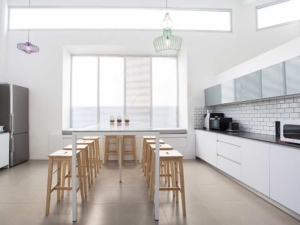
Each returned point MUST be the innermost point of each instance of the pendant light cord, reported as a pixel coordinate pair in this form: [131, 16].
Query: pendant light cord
[28, 20]
[167, 5]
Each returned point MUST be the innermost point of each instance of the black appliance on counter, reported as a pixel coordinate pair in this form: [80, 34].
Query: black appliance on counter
[233, 127]
[217, 121]
[277, 128]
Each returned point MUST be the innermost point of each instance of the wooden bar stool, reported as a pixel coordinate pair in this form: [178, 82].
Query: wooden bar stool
[163, 166]
[85, 166]
[62, 157]
[131, 151]
[92, 156]
[147, 154]
[97, 147]
[145, 138]
[107, 150]
[175, 159]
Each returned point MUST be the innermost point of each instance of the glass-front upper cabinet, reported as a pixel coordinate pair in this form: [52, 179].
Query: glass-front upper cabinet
[251, 86]
[292, 68]
[273, 81]
[213, 95]
[228, 92]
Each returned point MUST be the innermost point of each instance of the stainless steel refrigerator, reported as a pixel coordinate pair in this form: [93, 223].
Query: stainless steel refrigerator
[14, 116]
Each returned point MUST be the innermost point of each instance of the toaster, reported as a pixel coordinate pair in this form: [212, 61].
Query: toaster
[233, 126]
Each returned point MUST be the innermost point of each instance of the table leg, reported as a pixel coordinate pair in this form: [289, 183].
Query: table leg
[74, 179]
[157, 164]
[120, 158]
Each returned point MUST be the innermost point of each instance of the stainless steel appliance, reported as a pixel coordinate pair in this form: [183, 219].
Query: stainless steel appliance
[290, 131]
[211, 116]
[14, 117]
[233, 127]
[277, 128]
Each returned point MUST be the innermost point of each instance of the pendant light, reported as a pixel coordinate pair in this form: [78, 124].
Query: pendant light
[167, 44]
[27, 47]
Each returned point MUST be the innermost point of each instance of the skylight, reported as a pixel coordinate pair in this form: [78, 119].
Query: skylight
[117, 18]
[278, 13]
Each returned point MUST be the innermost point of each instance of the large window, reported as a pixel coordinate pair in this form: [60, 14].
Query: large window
[143, 88]
[278, 13]
[117, 18]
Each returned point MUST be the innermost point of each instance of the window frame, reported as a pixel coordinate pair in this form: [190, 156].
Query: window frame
[268, 5]
[98, 82]
[229, 10]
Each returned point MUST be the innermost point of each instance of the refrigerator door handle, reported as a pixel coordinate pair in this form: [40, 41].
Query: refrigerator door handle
[11, 116]
[11, 144]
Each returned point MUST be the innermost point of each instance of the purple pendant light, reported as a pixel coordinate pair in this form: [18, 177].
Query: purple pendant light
[27, 47]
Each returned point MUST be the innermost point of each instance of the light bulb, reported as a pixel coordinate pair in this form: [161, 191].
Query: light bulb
[168, 42]
[27, 48]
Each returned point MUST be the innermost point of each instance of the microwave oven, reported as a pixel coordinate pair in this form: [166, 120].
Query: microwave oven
[290, 131]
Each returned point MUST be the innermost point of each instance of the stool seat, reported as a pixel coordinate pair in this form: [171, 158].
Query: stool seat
[162, 146]
[169, 154]
[62, 153]
[78, 147]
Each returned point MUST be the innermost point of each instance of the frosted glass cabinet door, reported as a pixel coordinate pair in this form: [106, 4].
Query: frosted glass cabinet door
[213, 95]
[251, 86]
[228, 92]
[273, 81]
[292, 68]
[238, 89]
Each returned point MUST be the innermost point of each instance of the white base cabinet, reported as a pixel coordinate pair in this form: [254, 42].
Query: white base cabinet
[285, 176]
[206, 146]
[256, 165]
[4, 149]
[271, 169]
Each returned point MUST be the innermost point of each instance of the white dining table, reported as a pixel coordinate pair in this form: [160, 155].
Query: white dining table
[118, 130]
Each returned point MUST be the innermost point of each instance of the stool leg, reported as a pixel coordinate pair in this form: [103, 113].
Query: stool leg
[148, 163]
[94, 160]
[80, 176]
[91, 164]
[58, 178]
[182, 189]
[87, 167]
[84, 172]
[173, 176]
[152, 183]
[99, 153]
[64, 165]
[69, 173]
[176, 179]
[96, 156]
[105, 150]
[49, 185]
[143, 155]
[168, 172]
[134, 150]
[123, 149]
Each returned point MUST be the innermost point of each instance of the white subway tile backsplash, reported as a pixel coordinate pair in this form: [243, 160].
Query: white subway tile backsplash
[255, 116]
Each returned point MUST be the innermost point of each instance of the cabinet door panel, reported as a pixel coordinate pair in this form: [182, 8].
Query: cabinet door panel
[230, 167]
[256, 165]
[292, 68]
[213, 95]
[228, 92]
[251, 86]
[211, 148]
[200, 144]
[273, 81]
[285, 176]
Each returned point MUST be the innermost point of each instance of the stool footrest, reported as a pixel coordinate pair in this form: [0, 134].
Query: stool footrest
[169, 188]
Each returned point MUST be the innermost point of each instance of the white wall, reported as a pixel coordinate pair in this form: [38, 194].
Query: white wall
[66, 91]
[207, 54]
[3, 34]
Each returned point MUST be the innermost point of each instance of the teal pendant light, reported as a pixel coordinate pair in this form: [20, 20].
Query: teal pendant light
[167, 44]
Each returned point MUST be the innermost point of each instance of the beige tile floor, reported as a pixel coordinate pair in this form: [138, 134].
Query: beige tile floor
[212, 199]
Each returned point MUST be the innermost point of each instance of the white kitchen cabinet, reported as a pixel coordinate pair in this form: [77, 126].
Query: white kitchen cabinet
[229, 166]
[206, 146]
[4, 149]
[200, 144]
[256, 165]
[210, 145]
[285, 176]
[229, 151]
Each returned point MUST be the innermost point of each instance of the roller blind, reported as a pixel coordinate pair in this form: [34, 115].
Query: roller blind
[138, 89]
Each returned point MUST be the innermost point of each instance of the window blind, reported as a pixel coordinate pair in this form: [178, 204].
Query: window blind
[138, 89]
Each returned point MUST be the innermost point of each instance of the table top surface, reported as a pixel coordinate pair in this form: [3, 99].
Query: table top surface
[117, 127]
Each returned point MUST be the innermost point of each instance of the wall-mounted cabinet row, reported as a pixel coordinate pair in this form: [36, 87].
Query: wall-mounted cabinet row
[277, 80]
[271, 169]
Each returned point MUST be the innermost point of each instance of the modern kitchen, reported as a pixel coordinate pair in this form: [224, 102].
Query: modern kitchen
[150, 112]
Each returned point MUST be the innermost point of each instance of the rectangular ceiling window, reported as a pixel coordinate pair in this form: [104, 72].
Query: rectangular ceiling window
[278, 13]
[117, 18]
